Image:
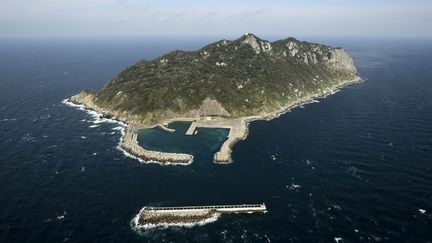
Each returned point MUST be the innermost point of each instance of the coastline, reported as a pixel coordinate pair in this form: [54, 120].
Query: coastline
[223, 156]
[239, 128]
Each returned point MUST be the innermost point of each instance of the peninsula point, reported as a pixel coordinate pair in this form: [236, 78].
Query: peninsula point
[226, 84]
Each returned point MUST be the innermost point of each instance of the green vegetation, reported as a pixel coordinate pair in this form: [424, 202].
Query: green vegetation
[247, 76]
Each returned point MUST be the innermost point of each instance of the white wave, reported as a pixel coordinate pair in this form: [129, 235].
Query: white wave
[334, 91]
[28, 138]
[335, 206]
[422, 211]
[338, 239]
[8, 119]
[68, 103]
[294, 187]
[140, 228]
[83, 137]
[93, 126]
[97, 117]
[60, 217]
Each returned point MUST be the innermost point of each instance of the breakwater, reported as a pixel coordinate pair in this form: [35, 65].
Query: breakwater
[187, 215]
[130, 144]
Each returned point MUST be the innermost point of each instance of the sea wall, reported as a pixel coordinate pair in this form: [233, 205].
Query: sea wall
[130, 144]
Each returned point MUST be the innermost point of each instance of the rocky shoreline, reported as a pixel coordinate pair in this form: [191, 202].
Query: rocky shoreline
[238, 128]
[223, 156]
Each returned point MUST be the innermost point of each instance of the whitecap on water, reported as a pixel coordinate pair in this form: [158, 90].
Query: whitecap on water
[422, 211]
[354, 172]
[97, 117]
[335, 206]
[338, 239]
[28, 138]
[8, 119]
[62, 216]
[294, 187]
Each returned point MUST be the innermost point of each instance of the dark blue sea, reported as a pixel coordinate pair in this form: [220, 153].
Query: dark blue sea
[355, 167]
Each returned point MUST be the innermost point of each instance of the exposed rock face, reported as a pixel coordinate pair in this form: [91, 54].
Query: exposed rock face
[257, 44]
[84, 97]
[211, 107]
[340, 59]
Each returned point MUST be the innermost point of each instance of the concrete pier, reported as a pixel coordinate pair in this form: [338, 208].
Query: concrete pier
[153, 216]
[191, 129]
[240, 208]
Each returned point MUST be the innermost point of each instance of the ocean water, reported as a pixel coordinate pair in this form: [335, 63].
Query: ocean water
[355, 167]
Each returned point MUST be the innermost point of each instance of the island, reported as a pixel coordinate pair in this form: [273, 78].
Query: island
[226, 84]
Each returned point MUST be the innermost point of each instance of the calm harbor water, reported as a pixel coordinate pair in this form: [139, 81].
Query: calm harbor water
[202, 145]
[355, 167]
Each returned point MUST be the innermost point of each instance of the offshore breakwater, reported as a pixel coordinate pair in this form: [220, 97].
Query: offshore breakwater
[189, 216]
